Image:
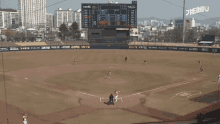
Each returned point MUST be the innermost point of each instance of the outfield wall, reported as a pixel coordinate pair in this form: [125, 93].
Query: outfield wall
[136, 47]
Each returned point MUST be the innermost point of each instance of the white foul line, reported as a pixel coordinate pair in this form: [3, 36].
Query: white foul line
[163, 87]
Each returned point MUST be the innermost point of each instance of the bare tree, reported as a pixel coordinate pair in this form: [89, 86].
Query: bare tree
[191, 35]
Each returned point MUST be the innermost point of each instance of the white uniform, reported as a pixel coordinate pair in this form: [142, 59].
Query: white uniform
[24, 120]
[219, 78]
[116, 97]
[75, 61]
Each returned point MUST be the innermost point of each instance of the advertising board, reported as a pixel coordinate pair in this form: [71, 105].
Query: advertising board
[35, 48]
[152, 47]
[55, 47]
[193, 49]
[85, 47]
[45, 47]
[14, 48]
[24, 48]
[132, 47]
[197, 10]
[142, 47]
[183, 48]
[204, 49]
[75, 47]
[161, 48]
[3, 49]
[65, 47]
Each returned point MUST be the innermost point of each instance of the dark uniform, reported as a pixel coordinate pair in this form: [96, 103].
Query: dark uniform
[111, 100]
[126, 58]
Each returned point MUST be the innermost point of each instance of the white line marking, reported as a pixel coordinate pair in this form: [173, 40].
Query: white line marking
[34, 93]
[139, 93]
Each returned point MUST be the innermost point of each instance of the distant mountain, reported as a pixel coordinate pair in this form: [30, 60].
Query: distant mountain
[211, 21]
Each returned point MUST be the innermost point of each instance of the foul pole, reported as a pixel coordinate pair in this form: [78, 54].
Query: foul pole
[183, 20]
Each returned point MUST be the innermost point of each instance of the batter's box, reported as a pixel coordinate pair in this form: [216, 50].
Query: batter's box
[210, 85]
[185, 95]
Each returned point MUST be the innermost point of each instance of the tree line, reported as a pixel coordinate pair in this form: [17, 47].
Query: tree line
[69, 32]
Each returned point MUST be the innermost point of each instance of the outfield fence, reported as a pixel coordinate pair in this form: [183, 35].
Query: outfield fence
[128, 47]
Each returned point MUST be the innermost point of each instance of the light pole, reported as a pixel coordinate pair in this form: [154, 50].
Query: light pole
[183, 21]
[25, 31]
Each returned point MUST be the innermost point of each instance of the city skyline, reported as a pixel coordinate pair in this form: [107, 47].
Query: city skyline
[164, 10]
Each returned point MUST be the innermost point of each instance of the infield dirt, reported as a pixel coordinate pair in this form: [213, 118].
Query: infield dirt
[51, 89]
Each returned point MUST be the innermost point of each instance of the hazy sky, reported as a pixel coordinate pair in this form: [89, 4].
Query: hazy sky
[146, 8]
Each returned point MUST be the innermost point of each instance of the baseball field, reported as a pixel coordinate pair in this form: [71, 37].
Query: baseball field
[51, 89]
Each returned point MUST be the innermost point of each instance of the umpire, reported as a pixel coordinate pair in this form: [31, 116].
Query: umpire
[111, 100]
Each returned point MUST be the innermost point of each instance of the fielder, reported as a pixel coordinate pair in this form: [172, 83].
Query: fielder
[199, 62]
[75, 61]
[109, 74]
[201, 69]
[145, 61]
[116, 97]
[126, 58]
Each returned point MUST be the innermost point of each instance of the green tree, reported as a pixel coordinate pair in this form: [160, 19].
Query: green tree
[63, 31]
[74, 29]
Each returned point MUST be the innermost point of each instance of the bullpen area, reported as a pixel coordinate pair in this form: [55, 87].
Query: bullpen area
[51, 89]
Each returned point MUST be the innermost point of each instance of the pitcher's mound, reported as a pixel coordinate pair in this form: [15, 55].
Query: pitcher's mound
[111, 80]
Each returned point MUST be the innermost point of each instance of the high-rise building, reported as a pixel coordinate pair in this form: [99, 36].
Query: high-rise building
[179, 23]
[33, 13]
[3, 19]
[9, 20]
[63, 17]
[78, 18]
[49, 18]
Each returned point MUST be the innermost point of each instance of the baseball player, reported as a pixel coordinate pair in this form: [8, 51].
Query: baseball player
[116, 97]
[201, 69]
[109, 74]
[199, 62]
[25, 119]
[111, 99]
[145, 61]
[75, 61]
[126, 58]
[219, 78]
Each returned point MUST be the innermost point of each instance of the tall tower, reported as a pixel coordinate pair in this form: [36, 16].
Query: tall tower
[193, 23]
[34, 13]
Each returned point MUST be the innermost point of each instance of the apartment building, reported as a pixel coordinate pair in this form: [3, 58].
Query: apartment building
[63, 17]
